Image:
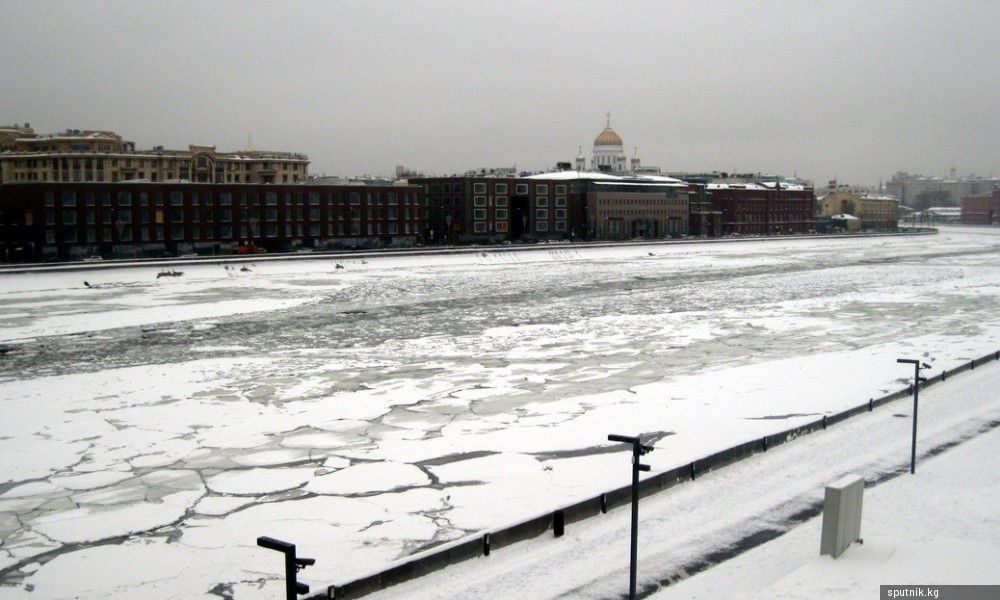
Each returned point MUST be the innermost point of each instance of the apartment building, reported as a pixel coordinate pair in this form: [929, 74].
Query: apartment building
[64, 221]
[103, 156]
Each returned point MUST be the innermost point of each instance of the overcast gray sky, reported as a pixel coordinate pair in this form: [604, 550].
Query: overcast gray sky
[852, 89]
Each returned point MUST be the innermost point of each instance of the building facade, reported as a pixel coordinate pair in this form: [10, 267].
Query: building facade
[766, 208]
[620, 208]
[102, 156]
[874, 212]
[920, 193]
[564, 205]
[981, 210]
[55, 221]
[493, 209]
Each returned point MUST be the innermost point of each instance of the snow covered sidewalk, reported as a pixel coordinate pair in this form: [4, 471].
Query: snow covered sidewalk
[940, 526]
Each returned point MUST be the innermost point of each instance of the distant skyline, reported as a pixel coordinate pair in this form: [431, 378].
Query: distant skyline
[850, 89]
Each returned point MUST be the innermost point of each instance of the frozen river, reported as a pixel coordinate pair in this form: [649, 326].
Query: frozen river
[152, 428]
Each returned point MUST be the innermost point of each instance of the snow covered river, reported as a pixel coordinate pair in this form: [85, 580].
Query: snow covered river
[152, 428]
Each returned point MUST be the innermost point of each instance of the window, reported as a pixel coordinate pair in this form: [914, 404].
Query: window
[541, 188]
[479, 227]
[69, 217]
[501, 214]
[541, 201]
[560, 201]
[500, 188]
[479, 188]
[560, 225]
[542, 226]
[479, 201]
[124, 199]
[541, 214]
[479, 214]
[521, 189]
[176, 199]
[271, 198]
[501, 200]
[225, 199]
[560, 213]
[561, 189]
[69, 199]
[355, 198]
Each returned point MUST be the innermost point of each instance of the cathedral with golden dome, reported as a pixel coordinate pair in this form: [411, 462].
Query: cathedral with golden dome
[608, 154]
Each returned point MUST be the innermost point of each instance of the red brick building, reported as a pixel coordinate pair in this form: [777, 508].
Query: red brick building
[981, 210]
[763, 208]
[69, 221]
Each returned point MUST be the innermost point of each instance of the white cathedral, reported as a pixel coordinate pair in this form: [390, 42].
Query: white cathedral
[609, 155]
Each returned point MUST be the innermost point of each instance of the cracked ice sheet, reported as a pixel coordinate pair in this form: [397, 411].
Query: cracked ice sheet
[711, 376]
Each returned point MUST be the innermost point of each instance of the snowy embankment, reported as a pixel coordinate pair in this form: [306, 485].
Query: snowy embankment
[939, 526]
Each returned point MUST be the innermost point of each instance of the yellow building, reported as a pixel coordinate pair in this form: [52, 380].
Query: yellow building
[873, 211]
[102, 156]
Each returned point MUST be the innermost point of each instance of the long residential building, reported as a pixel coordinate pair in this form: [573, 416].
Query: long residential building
[57, 221]
[102, 156]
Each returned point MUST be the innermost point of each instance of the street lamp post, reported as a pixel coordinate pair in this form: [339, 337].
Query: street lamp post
[293, 564]
[917, 379]
[637, 450]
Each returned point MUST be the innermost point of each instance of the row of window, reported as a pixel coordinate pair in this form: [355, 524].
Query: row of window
[501, 227]
[77, 163]
[99, 177]
[123, 233]
[501, 201]
[500, 214]
[520, 189]
[623, 212]
[125, 198]
[652, 201]
[225, 215]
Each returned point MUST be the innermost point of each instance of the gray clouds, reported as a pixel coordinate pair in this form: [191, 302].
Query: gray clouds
[851, 89]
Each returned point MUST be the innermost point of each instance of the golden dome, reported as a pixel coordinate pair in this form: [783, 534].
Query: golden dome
[608, 137]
